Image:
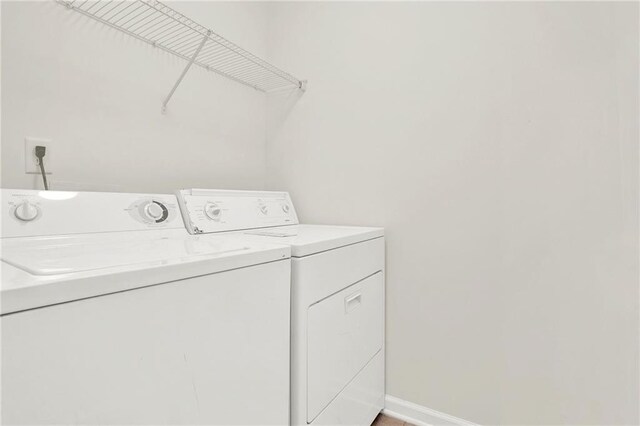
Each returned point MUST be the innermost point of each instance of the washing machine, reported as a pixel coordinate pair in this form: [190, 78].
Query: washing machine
[112, 313]
[337, 300]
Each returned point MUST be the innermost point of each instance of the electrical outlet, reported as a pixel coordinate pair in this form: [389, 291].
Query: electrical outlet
[31, 165]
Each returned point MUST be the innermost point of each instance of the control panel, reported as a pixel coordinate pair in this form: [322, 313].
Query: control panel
[38, 213]
[210, 210]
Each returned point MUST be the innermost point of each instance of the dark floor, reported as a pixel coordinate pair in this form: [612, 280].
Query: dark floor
[383, 420]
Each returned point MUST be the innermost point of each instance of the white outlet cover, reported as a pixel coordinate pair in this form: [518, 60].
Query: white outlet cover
[31, 162]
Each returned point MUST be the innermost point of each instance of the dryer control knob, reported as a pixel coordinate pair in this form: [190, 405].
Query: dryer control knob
[26, 211]
[285, 208]
[213, 211]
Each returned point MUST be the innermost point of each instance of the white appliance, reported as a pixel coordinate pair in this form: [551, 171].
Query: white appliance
[113, 314]
[337, 300]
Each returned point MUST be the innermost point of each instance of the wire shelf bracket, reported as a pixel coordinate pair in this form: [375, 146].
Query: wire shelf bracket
[165, 28]
[184, 72]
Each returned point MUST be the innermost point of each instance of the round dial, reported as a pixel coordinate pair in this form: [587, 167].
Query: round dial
[26, 211]
[264, 209]
[285, 208]
[213, 211]
[154, 211]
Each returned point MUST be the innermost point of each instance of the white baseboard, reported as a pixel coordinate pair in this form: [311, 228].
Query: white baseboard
[419, 415]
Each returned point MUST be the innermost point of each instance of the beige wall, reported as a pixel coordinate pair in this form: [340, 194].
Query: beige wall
[97, 93]
[497, 143]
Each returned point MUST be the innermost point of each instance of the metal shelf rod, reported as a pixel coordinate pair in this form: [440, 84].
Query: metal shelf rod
[184, 72]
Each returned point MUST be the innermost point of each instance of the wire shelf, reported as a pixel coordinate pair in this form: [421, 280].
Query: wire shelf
[163, 27]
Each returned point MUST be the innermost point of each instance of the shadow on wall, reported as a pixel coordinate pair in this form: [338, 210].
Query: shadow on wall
[280, 105]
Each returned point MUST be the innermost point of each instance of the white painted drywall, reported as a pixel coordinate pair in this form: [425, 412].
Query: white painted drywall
[497, 143]
[97, 93]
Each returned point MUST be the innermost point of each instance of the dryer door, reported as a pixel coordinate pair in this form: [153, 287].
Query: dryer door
[344, 332]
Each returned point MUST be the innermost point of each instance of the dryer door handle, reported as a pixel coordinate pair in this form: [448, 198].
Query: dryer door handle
[352, 301]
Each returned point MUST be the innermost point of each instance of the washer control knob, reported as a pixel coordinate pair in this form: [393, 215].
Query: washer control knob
[213, 211]
[26, 211]
[285, 208]
[154, 211]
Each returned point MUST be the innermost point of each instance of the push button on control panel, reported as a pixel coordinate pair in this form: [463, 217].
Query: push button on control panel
[263, 207]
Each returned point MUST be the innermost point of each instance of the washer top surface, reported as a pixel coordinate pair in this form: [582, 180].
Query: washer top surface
[42, 271]
[90, 252]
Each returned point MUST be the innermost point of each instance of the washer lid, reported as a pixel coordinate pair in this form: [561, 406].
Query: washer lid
[43, 271]
[90, 252]
[310, 239]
